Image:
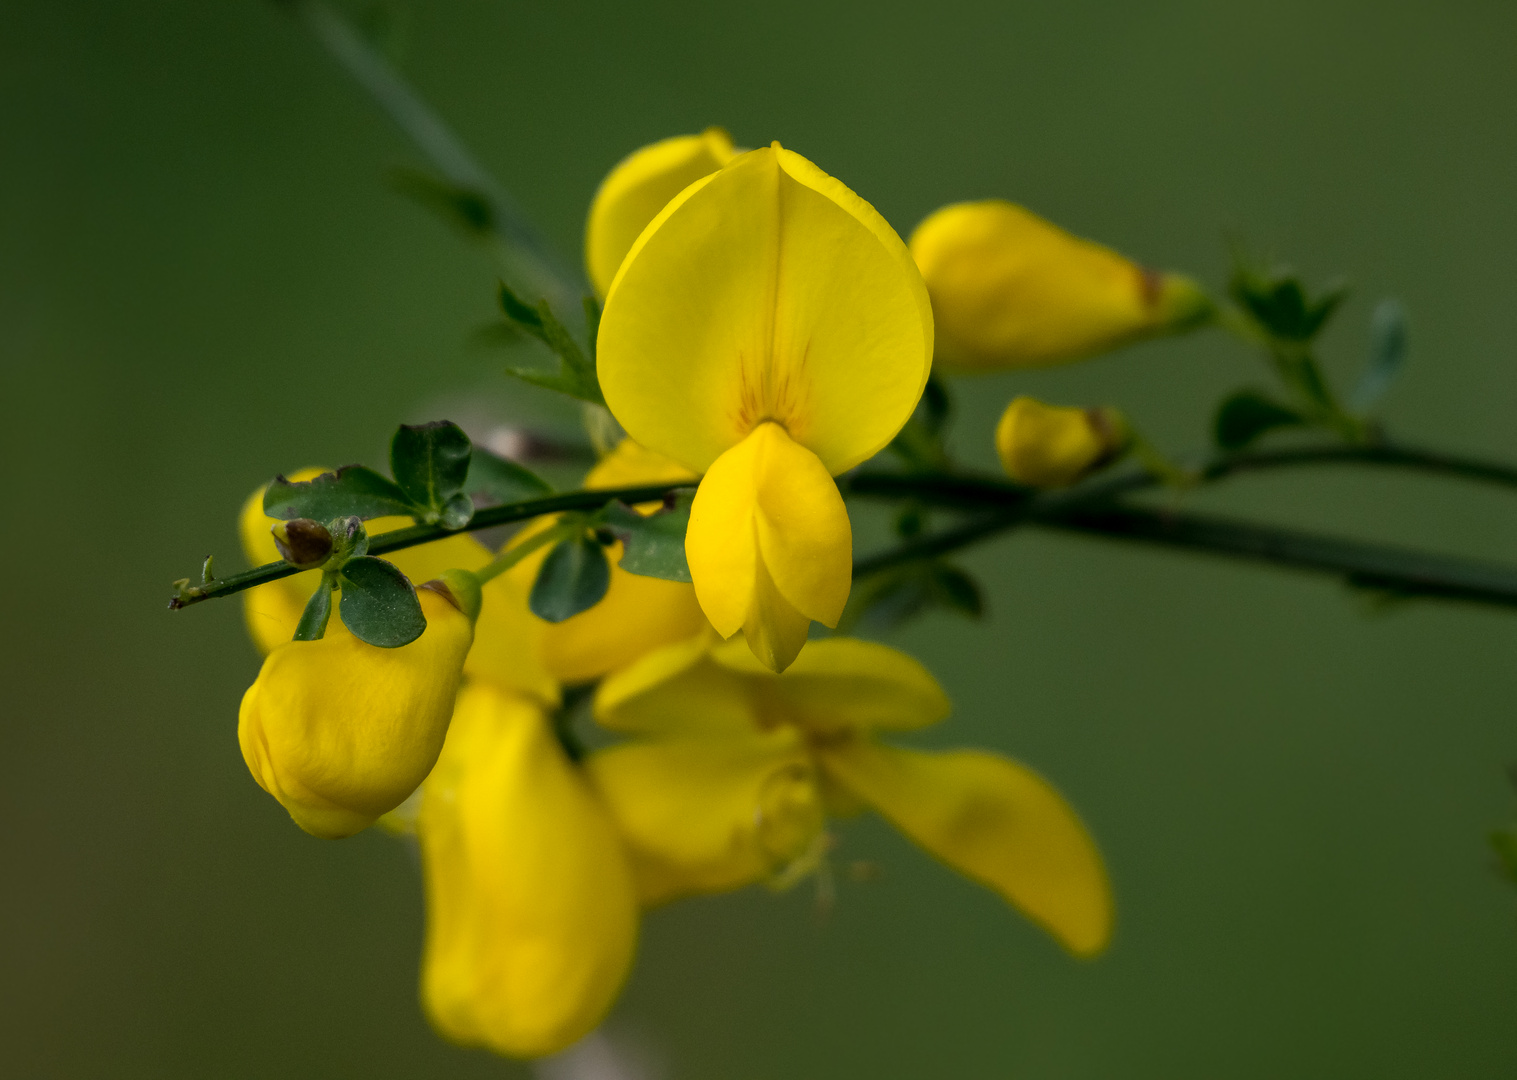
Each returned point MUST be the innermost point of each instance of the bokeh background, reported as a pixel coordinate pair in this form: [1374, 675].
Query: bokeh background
[204, 279]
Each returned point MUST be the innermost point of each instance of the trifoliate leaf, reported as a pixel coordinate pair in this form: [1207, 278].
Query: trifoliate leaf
[1247, 415]
[653, 546]
[1280, 304]
[573, 578]
[379, 603]
[430, 462]
[351, 491]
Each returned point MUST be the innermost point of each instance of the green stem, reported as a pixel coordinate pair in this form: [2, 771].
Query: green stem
[517, 552]
[400, 539]
[971, 492]
[1090, 507]
[527, 256]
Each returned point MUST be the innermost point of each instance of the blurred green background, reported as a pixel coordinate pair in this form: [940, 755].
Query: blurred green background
[204, 279]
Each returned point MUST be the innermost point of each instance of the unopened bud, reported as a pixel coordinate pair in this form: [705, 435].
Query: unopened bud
[303, 542]
[1049, 446]
[1011, 290]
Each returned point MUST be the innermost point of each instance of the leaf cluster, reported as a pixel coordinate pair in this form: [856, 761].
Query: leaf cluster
[574, 371]
[1277, 310]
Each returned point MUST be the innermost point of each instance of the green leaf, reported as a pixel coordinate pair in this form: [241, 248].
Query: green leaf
[430, 462]
[318, 609]
[1388, 344]
[379, 603]
[351, 491]
[1247, 415]
[888, 600]
[501, 480]
[653, 546]
[1280, 304]
[573, 578]
[575, 374]
[466, 209]
[955, 590]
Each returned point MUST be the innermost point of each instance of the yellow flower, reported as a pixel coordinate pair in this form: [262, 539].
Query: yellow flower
[273, 610]
[724, 780]
[769, 330]
[340, 731]
[1048, 446]
[637, 613]
[1010, 290]
[531, 913]
[639, 187]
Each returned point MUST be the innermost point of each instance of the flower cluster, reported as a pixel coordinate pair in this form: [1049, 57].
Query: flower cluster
[764, 331]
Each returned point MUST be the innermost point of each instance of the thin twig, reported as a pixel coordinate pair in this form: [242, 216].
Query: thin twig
[528, 256]
[415, 535]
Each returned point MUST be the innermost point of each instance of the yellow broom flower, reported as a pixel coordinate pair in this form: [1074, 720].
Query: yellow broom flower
[531, 913]
[769, 330]
[1011, 290]
[728, 768]
[340, 731]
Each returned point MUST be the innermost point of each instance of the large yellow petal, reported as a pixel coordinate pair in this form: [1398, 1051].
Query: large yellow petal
[992, 820]
[639, 187]
[1011, 290]
[531, 909]
[676, 691]
[769, 545]
[766, 291]
[710, 815]
[839, 685]
[340, 731]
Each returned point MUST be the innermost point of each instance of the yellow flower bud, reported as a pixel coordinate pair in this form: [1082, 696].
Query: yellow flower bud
[1048, 446]
[340, 731]
[1011, 290]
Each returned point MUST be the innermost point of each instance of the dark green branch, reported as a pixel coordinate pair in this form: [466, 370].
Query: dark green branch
[965, 492]
[1397, 570]
[399, 539]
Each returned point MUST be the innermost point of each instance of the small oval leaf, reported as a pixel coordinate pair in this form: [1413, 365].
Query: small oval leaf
[379, 603]
[573, 578]
[351, 491]
[430, 462]
[1247, 415]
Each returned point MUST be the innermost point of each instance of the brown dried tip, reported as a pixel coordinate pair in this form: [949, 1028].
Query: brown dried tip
[303, 542]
